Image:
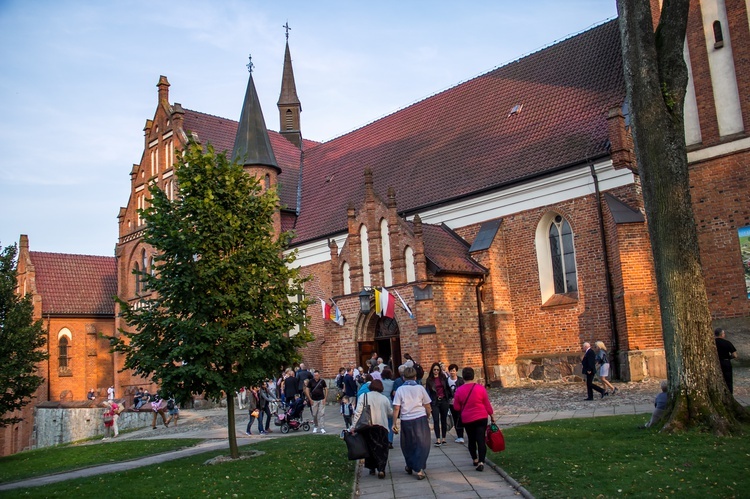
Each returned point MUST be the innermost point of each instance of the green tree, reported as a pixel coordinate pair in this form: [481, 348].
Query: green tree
[21, 343]
[217, 313]
[656, 80]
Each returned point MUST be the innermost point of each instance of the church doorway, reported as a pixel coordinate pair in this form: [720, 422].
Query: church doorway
[386, 342]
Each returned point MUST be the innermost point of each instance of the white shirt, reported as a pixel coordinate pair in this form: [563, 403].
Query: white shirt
[380, 409]
[110, 393]
[412, 399]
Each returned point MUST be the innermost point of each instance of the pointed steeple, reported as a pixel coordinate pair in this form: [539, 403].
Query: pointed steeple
[289, 104]
[251, 145]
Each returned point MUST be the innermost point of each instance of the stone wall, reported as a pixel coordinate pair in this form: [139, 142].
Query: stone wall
[60, 425]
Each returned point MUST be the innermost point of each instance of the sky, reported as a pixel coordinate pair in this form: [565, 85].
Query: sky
[78, 82]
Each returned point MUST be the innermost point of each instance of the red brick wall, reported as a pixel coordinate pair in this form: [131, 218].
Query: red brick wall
[720, 190]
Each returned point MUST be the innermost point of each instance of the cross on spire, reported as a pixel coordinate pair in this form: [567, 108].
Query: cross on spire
[250, 64]
[286, 28]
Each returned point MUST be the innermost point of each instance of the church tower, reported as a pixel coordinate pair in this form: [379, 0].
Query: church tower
[289, 104]
[252, 146]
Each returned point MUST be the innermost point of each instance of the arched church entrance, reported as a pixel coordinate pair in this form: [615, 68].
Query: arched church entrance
[381, 335]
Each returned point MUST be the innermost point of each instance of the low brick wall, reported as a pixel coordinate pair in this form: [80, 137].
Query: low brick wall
[60, 425]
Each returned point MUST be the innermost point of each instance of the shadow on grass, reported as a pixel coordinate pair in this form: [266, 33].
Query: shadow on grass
[71, 457]
[611, 457]
[306, 466]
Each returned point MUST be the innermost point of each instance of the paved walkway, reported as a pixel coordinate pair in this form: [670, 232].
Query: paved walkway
[449, 468]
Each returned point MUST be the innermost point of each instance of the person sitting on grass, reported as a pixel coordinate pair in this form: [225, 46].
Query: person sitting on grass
[660, 406]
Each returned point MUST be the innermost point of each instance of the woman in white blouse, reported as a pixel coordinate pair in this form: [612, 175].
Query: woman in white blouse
[376, 435]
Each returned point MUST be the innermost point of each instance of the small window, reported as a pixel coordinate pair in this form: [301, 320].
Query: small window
[411, 274]
[347, 278]
[718, 35]
[289, 120]
[562, 255]
[267, 181]
[137, 275]
[63, 357]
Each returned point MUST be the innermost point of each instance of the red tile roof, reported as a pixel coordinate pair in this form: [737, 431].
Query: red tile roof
[446, 252]
[220, 132]
[462, 142]
[75, 284]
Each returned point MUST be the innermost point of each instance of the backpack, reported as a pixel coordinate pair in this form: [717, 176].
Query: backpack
[419, 368]
[170, 404]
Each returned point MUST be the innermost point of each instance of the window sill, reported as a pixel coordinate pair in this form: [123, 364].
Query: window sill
[562, 300]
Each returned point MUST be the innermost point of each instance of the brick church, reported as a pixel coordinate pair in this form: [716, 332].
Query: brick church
[503, 216]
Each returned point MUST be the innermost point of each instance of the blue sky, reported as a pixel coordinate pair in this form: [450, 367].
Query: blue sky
[78, 82]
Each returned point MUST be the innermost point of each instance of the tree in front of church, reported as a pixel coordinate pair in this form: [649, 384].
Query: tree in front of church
[656, 79]
[217, 313]
[21, 343]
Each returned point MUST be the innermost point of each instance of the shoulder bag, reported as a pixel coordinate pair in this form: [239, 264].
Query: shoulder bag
[365, 419]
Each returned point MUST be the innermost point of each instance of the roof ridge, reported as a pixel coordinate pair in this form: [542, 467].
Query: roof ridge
[461, 82]
[211, 115]
[51, 253]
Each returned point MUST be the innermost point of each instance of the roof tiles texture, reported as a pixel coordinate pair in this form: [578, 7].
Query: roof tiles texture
[457, 143]
[462, 141]
[75, 284]
[447, 252]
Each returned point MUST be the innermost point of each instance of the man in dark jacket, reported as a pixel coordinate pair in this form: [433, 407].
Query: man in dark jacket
[726, 352]
[350, 385]
[589, 367]
[302, 375]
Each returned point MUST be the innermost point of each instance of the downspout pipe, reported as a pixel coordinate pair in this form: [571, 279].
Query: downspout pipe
[481, 331]
[607, 274]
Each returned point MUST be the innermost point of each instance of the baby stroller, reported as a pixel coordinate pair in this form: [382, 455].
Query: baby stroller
[292, 418]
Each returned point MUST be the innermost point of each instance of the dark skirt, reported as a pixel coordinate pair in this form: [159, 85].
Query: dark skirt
[376, 438]
[415, 442]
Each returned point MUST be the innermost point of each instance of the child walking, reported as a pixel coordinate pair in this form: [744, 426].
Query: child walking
[347, 411]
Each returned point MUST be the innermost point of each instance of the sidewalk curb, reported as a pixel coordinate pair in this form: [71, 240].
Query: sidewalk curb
[521, 490]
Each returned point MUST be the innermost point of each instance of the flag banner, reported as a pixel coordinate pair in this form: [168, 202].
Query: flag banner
[326, 309]
[378, 307]
[387, 304]
[404, 305]
[336, 315]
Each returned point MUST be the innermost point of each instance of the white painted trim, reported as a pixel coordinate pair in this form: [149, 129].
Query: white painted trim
[721, 65]
[168, 174]
[546, 191]
[167, 135]
[140, 188]
[543, 192]
[719, 150]
[153, 143]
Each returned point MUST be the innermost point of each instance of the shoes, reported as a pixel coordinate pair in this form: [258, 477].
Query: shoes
[390, 445]
[480, 467]
[322, 431]
[269, 430]
[153, 427]
[381, 474]
[438, 443]
[475, 462]
[589, 399]
[263, 433]
[421, 475]
[249, 434]
[604, 394]
[315, 429]
[408, 470]
[614, 392]
[105, 438]
[459, 440]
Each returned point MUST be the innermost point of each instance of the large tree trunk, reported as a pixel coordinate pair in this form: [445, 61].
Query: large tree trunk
[234, 451]
[656, 79]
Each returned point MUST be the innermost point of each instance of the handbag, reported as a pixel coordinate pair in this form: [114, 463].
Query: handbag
[108, 419]
[494, 438]
[356, 446]
[255, 413]
[449, 422]
[365, 419]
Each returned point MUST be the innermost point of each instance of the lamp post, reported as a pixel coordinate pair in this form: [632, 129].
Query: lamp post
[364, 301]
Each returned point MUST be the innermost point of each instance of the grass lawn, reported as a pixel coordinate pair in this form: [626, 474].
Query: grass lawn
[304, 466]
[611, 457]
[71, 457]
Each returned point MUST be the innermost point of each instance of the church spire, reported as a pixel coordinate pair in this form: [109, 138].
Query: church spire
[289, 104]
[252, 146]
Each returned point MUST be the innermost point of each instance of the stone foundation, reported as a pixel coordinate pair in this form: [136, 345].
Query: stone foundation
[60, 425]
[636, 365]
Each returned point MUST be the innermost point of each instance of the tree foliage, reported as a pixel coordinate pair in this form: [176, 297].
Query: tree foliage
[656, 78]
[216, 311]
[21, 343]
